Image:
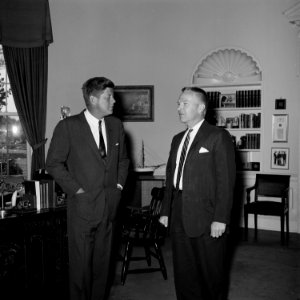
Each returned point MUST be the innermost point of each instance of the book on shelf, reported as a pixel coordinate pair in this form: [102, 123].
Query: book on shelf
[250, 120]
[213, 99]
[43, 193]
[239, 99]
[32, 190]
[54, 196]
[248, 98]
[49, 193]
[249, 141]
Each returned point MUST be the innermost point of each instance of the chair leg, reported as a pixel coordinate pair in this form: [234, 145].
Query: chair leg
[148, 255]
[282, 229]
[255, 227]
[126, 260]
[287, 228]
[246, 225]
[161, 260]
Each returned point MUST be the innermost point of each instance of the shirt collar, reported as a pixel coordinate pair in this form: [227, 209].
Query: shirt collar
[91, 119]
[196, 127]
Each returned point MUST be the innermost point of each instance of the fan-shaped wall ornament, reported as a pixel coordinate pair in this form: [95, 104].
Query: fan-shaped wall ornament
[293, 15]
[227, 66]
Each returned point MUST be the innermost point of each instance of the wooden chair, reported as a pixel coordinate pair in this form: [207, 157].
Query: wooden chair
[266, 185]
[142, 229]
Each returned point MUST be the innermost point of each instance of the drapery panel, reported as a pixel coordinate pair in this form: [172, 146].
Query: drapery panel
[27, 69]
[25, 33]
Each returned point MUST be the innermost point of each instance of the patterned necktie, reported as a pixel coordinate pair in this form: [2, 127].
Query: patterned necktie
[182, 158]
[101, 142]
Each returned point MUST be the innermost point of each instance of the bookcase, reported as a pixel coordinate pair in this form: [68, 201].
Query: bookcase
[232, 79]
[237, 108]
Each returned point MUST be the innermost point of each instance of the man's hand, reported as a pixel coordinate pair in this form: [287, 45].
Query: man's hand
[217, 229]
[164, 220]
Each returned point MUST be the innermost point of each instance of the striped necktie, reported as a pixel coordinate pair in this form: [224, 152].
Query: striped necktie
[101, 142]
[182, 158]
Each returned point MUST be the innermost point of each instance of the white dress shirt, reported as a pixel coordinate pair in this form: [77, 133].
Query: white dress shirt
[94, 125]
[192, 136]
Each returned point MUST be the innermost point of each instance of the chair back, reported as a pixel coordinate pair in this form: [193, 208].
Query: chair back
[157, 195]
[145, 230]
[153, 227]
[272, 185]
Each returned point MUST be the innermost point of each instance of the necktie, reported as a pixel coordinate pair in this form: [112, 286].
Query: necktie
[101, 142]
[182, 158]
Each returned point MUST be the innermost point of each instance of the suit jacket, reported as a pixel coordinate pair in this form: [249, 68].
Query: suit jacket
[208, 179]
[75, 162]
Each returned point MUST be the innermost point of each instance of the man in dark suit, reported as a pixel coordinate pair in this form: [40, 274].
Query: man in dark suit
[89, 161]
[200, 179]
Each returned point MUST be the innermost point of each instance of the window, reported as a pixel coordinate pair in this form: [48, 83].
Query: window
[13, 144]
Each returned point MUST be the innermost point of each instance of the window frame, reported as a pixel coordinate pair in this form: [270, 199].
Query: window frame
[14, 114]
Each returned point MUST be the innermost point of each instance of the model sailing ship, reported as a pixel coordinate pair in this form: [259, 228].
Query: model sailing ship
[140, 166]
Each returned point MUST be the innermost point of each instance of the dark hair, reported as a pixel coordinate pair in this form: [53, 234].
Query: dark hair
[201, 93]
[95, 85]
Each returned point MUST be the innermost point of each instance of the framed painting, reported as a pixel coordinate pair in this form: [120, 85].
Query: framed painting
[134, 103]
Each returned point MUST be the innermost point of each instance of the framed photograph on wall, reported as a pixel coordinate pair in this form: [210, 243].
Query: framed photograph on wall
[280, 158]
[280, 128]
[134, 103]
[280, 103]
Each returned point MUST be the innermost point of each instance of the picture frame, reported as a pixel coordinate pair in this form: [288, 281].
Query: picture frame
[280, 128]
[227, 100]
[134, 103]
[280, 103]
[280, 158]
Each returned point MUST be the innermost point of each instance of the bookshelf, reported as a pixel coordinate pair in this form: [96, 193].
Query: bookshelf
[232, 79]
[237, 108]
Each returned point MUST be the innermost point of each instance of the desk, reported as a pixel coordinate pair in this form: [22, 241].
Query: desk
[138, 188]
[37, 240]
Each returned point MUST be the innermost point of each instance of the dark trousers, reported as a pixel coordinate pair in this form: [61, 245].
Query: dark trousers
[89, 257]
[199, 262]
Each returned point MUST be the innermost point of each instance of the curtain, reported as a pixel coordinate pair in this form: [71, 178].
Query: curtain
[27, 69]
[25, 33]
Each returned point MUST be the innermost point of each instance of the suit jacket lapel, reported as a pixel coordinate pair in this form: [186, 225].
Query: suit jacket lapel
[199, 138]
[175, 149]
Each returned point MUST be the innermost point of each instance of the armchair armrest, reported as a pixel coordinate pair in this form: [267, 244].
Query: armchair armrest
[137, 210]
[133, 208]
[285, 197]
[248, 191]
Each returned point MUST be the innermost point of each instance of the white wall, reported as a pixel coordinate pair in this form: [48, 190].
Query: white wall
[151, 42]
